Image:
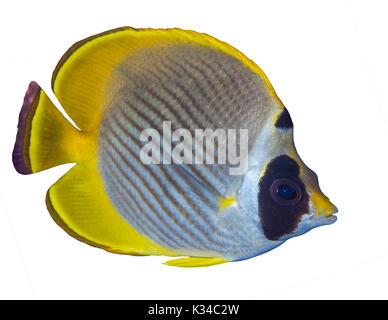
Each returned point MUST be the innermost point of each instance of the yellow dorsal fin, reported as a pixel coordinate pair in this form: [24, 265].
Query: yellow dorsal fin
[81, 76]
[194, 262]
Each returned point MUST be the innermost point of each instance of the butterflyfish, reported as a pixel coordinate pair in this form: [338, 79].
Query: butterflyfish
[181, 148]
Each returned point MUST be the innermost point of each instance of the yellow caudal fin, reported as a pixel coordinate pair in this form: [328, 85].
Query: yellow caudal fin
[45, 138]
[195, 262]
[82, 77]
[78, 204]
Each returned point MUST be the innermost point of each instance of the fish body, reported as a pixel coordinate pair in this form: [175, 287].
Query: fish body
[144, 102]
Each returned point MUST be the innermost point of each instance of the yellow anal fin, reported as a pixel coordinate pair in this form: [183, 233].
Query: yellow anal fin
[78, 203]
[195, 262]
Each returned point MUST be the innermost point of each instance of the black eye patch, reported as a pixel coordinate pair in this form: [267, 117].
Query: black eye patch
[284, 120]
[282, 198]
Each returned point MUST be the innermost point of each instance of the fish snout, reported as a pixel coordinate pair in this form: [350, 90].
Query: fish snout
[323, 206]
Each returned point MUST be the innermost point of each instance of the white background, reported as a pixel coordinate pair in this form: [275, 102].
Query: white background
[327, 61]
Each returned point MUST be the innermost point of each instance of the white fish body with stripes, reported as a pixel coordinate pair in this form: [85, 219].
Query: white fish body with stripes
[182, 148]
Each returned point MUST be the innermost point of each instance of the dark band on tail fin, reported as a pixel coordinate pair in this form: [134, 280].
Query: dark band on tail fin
[20, 155]
[45, 138]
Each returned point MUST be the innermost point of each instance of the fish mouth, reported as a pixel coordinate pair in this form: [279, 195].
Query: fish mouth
[331, 217]
[324, 208]
[327, 215]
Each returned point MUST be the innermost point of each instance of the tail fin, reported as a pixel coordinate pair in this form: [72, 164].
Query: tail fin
[45, 138]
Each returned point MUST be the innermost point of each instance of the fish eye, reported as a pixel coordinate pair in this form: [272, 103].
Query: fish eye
[285, 192]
